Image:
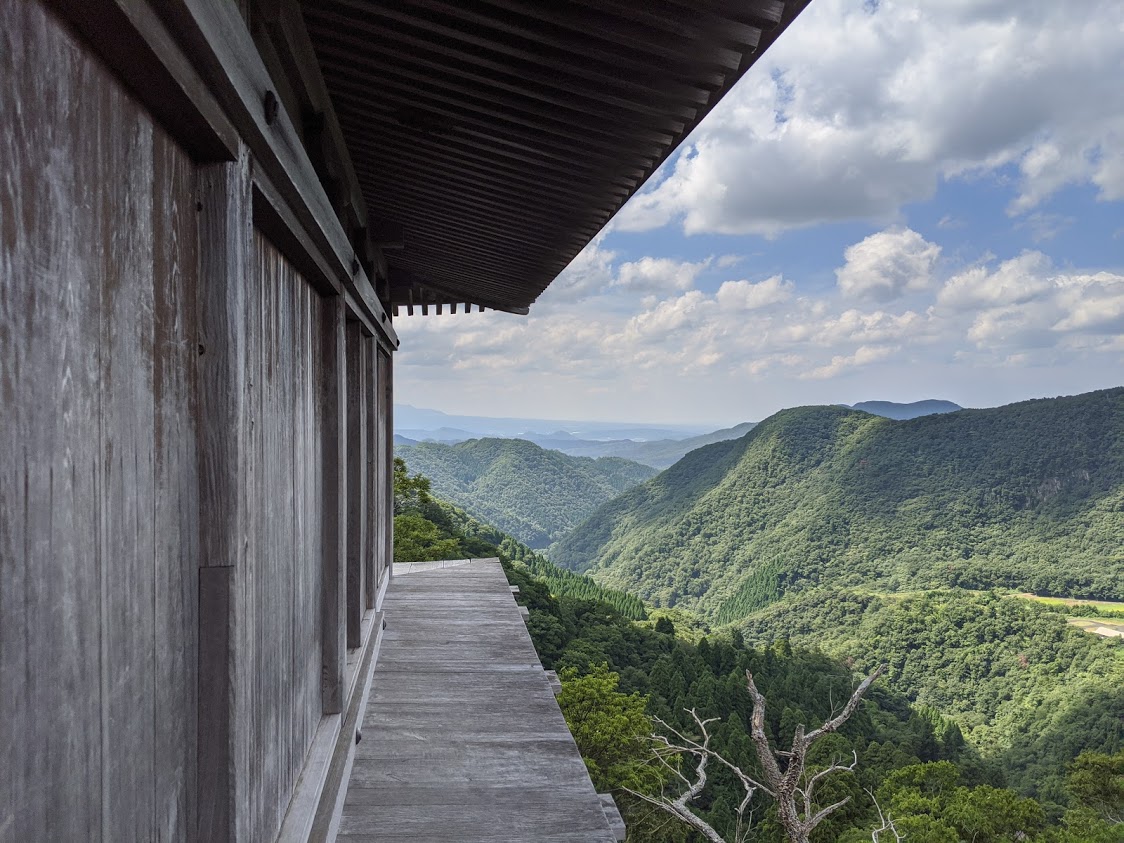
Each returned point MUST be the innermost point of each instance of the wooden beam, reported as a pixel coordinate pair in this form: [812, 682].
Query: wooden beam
[213, 33]
[333, 396]
[132, 39]
[225, 508]
[357, 503]
[376, 507]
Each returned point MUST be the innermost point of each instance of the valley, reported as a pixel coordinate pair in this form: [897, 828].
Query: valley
[978, 555]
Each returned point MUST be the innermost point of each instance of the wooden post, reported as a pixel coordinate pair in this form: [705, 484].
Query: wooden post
[225, 484]
[356, 480]
[387, 420]
[374, 491]
[334, 531]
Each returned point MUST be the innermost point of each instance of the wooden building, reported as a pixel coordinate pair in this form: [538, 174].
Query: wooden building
[209, 212]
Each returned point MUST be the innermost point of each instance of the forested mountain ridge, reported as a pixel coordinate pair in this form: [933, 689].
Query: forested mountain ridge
[658, 453]
[895, 410]
[617, 673]
[532, 493]
[1030, 495]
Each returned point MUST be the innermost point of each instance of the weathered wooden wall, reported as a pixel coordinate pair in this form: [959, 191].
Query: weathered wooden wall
[192, 473]
[98, 514]
[284, 367]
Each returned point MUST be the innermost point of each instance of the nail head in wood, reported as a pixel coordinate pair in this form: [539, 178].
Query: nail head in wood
[271, 107]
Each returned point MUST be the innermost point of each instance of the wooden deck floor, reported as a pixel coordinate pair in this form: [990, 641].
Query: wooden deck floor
[462, 738]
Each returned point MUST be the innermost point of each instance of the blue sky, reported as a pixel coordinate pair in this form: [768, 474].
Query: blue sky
[901, 200]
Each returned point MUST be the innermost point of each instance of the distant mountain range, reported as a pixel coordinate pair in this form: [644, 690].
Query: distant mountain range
[414, 421]
[533, 493]
[1030, 495]
[653, 445]
[893, 410]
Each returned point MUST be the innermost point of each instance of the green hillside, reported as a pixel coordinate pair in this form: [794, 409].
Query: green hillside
[1030, 496]
[1029, 691]
[532, 493]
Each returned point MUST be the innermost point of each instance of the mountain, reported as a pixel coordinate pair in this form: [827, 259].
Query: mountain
[660, 453]
[418, 420]
[1030, 495]
[530, 492]
[893, 410]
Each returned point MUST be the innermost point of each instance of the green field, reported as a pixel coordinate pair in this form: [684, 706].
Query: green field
[1109, 606]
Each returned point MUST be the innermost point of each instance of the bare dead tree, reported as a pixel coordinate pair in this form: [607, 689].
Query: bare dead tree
[786, 778]
[792, 784]
[885, 823]
[666, 749]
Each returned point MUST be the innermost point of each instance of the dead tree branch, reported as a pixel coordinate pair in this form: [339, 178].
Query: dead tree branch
[786, 779]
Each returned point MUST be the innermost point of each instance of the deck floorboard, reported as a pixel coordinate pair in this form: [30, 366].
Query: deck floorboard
[462, 738]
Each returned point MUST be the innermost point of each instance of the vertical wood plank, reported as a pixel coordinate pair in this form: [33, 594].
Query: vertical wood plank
[356, 480]
[333, 617]
[126, 531]
[387, 425]
[373, 508]
[176, 510]
[225, 477]
[50, 455]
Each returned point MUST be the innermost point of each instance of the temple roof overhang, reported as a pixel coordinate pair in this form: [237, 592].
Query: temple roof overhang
[492, 139]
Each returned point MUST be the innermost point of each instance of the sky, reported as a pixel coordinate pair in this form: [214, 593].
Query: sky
[900, 200]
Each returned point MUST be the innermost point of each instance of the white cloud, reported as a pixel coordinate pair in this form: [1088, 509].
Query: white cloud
[658, 275]
[1026, 303]
[863, 356]
[745, 295]
[586, 275]
[1017, 280]
[853, 114]
[628, 346]
[887, 264]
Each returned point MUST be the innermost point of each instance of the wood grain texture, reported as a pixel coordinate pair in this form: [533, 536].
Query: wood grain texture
[226, 475]
[333, 438]
[386, 473]
[356, 479]
[374, 510]
[97, 275]
[285, 579]
[462, 736]
[225, 56]
[176, 502]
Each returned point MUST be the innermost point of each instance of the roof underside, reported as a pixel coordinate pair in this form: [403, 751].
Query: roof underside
[497, 137]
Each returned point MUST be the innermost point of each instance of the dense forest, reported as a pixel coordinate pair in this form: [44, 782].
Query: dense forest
[624, 671]
[1028, 496]
[1027, 690]
[532, 493]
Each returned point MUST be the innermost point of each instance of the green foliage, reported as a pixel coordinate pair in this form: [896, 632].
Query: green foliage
[584, 638]
[1096, 783]
[611, 729]
[1029, 691]
[532, 493]
[927, 803]
[1028, 496]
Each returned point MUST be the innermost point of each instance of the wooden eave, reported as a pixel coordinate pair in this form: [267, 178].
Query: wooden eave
[497, 137]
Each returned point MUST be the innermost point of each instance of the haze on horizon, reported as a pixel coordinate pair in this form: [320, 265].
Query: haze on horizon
[931, 207]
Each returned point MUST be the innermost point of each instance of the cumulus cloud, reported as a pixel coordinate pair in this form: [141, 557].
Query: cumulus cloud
[745, 295]
[587, 274]
[860, 109]
[658, 275]
[1013, 282]
[896, 307]
[863, 356]
[1026, 303]
[887, 264]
